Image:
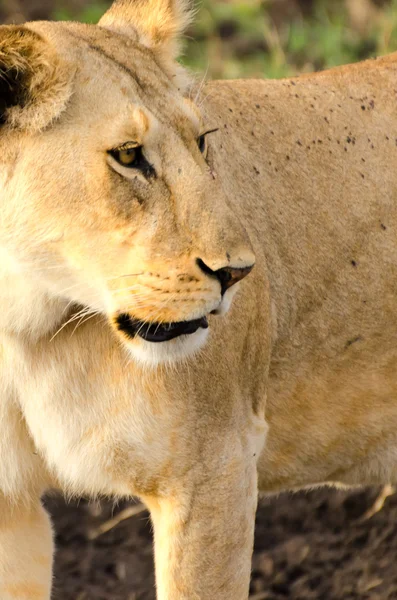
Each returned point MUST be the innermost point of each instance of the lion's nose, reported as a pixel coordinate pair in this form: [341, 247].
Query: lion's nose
[227, 276]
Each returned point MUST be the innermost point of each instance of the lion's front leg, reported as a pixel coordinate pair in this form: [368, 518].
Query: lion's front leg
[204, 530]
[26, 550]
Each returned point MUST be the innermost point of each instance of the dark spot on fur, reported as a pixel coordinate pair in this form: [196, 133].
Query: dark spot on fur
[383, 227]
[354, 264]
[363, 107]
[353, 341]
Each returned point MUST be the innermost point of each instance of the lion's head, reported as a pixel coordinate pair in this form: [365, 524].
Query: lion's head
[108, 201]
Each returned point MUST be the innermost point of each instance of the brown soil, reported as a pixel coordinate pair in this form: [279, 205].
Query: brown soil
[308, 546]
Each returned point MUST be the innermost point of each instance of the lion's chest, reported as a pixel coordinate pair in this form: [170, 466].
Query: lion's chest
[98, 429]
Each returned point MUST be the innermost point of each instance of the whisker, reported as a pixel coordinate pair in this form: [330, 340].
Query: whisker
[67, 289]
[74, 317]
[127, 275]
[202, 84]
[84, 319]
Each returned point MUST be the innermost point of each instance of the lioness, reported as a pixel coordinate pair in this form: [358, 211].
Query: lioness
[130, 214]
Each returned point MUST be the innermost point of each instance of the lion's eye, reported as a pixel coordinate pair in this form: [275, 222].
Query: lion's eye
[126, 157]
[202, 143]
[132, 157]
[202, 140]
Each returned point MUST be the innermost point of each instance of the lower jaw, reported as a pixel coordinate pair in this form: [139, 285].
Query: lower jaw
[175, 352]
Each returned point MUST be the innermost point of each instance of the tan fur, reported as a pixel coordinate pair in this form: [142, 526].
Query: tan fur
[295, 387]
[156, 25]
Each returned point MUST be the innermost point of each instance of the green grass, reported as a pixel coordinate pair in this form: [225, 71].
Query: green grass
[238, 38]
[91, 13]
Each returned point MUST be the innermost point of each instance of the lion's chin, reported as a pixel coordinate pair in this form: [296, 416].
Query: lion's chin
[168, 352]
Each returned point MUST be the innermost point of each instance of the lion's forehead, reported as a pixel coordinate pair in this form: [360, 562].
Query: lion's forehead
[109, 61]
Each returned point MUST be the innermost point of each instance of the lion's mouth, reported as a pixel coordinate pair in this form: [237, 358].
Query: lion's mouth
[158, 332]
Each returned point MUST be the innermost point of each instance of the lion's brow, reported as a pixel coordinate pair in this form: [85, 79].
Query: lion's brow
[107, 56]
[102, 52]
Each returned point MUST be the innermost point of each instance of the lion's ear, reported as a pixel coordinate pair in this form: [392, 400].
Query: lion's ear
[35, 85]
[158, 23]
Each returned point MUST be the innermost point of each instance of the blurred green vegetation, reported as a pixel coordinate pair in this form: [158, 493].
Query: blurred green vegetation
[250, 38]
[89, 13]
[257, 38]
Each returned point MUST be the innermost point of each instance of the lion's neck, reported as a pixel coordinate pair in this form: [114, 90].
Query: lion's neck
[26, 309]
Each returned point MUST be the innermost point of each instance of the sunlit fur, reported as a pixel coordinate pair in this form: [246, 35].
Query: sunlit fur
[295, 386]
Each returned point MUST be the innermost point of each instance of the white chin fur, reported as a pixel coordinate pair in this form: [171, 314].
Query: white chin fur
[176, 350]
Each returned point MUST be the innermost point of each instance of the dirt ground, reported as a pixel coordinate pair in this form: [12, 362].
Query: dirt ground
[308, 546]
